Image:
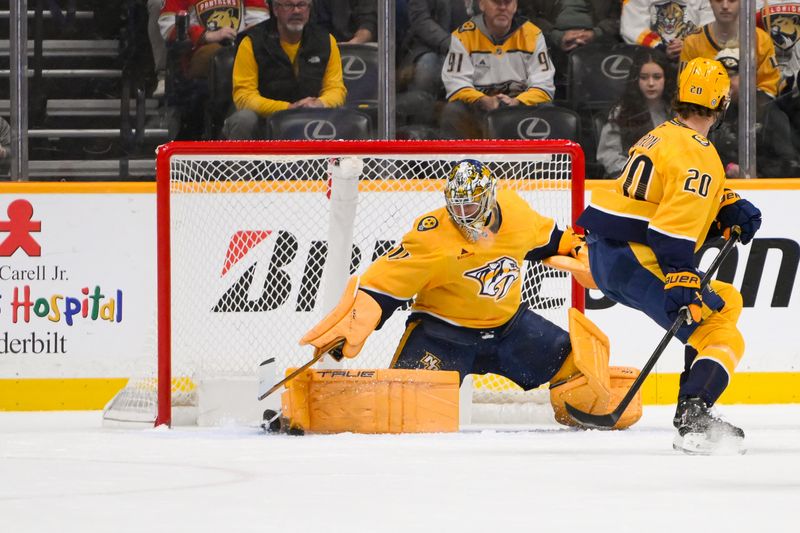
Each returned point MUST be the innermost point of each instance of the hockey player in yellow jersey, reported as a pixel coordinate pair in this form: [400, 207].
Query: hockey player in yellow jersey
[642, 237]
[463, 266]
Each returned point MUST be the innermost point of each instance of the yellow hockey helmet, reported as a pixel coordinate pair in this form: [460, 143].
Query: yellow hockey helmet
[704, 82]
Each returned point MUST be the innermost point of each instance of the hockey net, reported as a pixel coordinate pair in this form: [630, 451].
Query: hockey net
[253, 241]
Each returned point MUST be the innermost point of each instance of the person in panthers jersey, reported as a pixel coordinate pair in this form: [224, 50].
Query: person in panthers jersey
[463, 266]
[663, 24]
[643, 235]
[495, 59]
[210, 23]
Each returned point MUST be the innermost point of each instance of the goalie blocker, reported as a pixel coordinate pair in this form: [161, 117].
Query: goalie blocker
[397, 401]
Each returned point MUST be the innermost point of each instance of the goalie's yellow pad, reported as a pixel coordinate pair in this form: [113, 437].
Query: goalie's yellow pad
[372, 401]
[353, 319]
[590, 354]
[578, 393]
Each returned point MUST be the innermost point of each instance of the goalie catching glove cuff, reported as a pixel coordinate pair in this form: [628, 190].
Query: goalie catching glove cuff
[571, 243]
[736, 211]
[353, 319]
[573, 257]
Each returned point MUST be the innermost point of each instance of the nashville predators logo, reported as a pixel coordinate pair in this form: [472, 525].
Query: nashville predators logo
[496, 278]
[669, 21]
[427, 223]
[467, 26]
[784, 25]
[430, 362]
[215, 17]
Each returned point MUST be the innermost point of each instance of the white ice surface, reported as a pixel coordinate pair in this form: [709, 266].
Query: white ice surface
[61, 472]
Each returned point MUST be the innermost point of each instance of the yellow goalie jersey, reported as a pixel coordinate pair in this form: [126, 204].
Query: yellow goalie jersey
[667, 196]
[475, 285]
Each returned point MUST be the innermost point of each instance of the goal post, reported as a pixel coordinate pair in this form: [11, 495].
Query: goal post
[246, 231]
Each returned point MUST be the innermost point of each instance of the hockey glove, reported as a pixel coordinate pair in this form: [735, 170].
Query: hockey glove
[353, 319]
[571, 243]
[736, 211]
[682, 289]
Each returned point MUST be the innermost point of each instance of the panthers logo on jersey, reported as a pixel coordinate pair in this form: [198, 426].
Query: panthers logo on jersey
[219, 14]
[669, 21]
[784, 28]
[496, 277]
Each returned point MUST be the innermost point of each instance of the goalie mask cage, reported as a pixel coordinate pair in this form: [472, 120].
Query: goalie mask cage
[253, 241]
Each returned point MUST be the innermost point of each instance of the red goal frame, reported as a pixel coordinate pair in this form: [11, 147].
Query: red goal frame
[370, 147]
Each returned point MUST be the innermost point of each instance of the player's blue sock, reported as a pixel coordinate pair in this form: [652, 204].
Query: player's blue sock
[707, 380]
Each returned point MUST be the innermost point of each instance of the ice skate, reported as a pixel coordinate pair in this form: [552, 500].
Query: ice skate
[700, 432]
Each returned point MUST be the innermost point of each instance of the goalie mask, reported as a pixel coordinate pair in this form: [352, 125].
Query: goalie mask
[470, 197]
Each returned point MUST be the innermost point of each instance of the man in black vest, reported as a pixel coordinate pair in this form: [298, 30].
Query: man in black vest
[283, 63]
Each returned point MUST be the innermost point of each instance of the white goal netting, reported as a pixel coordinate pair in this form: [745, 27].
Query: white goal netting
[249, 241]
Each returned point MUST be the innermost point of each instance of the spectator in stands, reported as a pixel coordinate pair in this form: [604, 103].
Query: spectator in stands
[283, 63]
[776, 156]
[644, 105]
[781, 20]
[419, 79]
[210, 24]
[723, 33]
[663, 24]
[789, 103]
[569, 24]
[495, 59]
[349, 21]
[432, 24]
[158, 46]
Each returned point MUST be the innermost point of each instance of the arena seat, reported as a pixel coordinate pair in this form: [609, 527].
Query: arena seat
[360, 73]
[532, 122]
[318, 124]
[597, 74]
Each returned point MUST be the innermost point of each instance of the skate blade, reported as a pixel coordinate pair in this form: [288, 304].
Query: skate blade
[699, 444]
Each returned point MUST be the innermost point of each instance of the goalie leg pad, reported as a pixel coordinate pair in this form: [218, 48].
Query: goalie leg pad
[589, 357]
[372, 401]
[578, 393]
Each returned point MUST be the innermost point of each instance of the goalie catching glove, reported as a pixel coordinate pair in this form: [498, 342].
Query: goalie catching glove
[352, 320]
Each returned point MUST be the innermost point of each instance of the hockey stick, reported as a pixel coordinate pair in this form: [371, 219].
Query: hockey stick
[335, 350]
[608, 420]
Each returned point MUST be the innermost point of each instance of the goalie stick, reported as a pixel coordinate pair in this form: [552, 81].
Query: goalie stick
[334, 348]
[608, 420]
